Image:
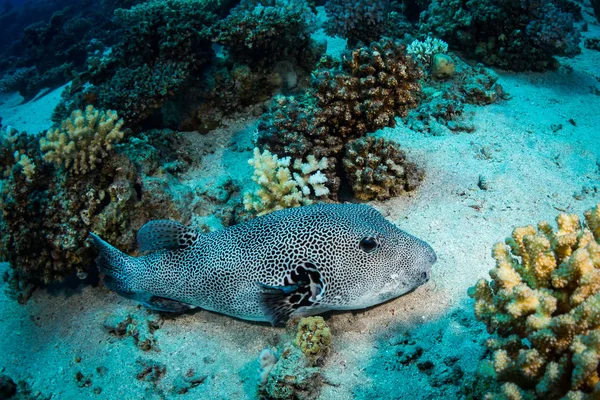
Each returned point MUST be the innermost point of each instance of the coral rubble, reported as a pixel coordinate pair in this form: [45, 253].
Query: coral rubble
[543, 308]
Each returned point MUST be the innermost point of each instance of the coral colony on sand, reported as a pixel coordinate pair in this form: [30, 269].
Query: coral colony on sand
[155, 93]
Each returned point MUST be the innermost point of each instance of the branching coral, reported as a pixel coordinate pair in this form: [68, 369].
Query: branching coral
[283, 184]
[423, 51]
[364, 91]
[377, 169]
[164, 44]
[47, 216]
[543, 307]
[83, 140]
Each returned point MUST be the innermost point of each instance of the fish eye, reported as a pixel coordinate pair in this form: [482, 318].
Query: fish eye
[368, 244]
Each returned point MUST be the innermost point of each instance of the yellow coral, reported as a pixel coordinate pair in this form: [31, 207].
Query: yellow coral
[313, 337]
[83, 139]
[543, 306]
[283, 185]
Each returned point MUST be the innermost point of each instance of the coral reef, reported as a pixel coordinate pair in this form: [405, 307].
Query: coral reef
[262, 33]
[377, 169]
[43, 44]
[543, 309]
[163, 45]
[358, 21]
[364, 91]
[517, 35]
[442, 108]
[83, 140]
[283, 184]
[47, 217]
[295, 374]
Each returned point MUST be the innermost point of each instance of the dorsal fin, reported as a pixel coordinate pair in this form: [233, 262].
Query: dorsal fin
[165, 235]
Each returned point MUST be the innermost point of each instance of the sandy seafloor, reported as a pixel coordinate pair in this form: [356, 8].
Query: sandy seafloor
[533, 172]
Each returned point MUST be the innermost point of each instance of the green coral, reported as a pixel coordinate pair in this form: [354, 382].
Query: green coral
[543, 308]
[83, 140]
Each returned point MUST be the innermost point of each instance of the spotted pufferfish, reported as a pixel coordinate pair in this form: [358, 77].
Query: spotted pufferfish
[294, 262]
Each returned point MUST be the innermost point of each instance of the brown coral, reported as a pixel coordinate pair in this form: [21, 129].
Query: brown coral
[543, 306]
[377, 169]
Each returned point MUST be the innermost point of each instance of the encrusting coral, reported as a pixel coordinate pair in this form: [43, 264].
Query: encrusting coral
[83, 140]
[543, 308]
[377, 169]
[313, 337]
[283, 184]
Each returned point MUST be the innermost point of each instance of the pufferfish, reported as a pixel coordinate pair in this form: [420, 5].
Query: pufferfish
[294, 262]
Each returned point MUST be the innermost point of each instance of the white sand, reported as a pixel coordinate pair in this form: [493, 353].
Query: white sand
[532, 172]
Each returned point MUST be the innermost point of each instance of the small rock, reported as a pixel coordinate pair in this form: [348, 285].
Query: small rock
[8, 388]
[149, 370]
[442, 67]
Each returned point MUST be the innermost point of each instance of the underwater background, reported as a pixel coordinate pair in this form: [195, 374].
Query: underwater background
[467, 123]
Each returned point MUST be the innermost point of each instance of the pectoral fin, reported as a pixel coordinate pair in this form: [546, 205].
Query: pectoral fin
[303, 287]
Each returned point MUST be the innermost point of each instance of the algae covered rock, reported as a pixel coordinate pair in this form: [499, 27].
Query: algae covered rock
[313, 337]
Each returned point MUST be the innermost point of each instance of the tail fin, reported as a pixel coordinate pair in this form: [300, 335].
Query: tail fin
[118, 268]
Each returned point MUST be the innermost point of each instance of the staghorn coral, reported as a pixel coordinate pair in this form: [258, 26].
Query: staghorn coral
[283, 184]
[358, 20]
[543, 309]
[83, 140]
[516, 34]
[377, 169]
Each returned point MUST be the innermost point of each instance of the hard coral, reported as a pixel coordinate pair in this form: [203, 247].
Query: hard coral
[164, 44]
[313, 337]
[262, 34]
[83, 140]
[47, 218]
[543, 307]
[283, 184]
[362, 92]
[358, 20]
[516, 34]
[377, 169]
